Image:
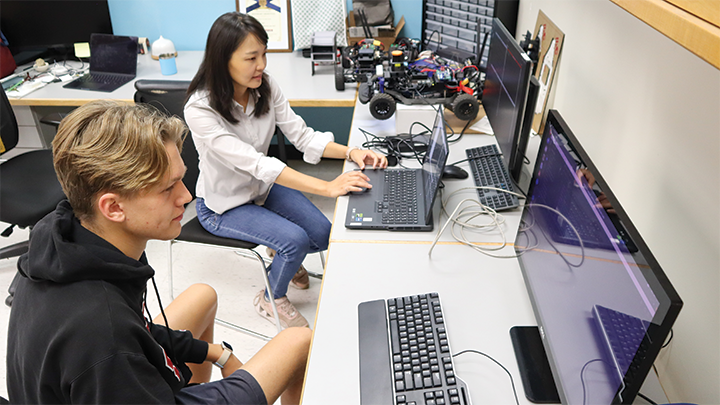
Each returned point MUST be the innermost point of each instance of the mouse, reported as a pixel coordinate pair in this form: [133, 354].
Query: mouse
[454, 172]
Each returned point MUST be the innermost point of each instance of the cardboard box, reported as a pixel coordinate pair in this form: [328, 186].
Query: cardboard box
[385, 35]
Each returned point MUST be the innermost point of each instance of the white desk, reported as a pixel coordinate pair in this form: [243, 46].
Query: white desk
[363, 119]
[292, 71]
[482, 297]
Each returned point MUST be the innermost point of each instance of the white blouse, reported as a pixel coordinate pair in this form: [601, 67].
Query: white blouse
[234, 166]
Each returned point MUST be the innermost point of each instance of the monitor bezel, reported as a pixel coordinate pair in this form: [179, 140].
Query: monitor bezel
[510, 157]
[670, 301]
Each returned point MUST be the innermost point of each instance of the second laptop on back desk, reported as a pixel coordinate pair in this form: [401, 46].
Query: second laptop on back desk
[113, 62]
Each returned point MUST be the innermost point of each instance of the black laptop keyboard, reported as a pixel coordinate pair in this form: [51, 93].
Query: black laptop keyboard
[421, 366]
[103, 78]
[400, 197]
[488, 170]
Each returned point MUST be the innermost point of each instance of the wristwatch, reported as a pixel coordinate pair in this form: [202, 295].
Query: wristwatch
[227, 351]
[349, 151]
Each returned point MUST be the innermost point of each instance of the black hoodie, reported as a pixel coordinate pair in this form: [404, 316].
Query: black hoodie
[77, 330]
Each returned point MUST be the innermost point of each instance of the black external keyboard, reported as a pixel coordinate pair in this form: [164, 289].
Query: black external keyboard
[399, 205]
[405, 356]
[488, 170]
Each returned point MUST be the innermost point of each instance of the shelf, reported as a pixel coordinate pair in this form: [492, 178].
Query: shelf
[694, 24]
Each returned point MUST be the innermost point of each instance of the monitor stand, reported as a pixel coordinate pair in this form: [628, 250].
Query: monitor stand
[534, 367]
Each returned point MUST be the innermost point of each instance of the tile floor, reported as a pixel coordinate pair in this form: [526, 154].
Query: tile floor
[235, 278]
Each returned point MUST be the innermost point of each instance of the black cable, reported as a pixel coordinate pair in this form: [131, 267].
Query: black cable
[459, 161]
[640, 394]
[512, 382]
[669, 339]
[427, 43]
[167, 326]
[390, 146]
[462, 132]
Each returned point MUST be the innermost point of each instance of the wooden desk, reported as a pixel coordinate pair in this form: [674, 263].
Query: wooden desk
[291, 70]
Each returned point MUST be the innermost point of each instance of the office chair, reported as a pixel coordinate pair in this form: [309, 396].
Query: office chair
[169, 97]
[29, 188]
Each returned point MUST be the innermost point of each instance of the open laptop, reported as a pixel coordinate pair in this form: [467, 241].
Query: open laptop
[402, 199]
[113, 62]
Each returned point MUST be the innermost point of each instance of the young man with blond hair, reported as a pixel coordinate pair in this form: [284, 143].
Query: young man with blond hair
[80, 330]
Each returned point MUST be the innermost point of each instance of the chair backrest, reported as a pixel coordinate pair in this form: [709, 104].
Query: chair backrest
[168, 96]
[8, 124]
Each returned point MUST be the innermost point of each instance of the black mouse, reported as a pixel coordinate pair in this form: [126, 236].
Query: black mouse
[454, 172]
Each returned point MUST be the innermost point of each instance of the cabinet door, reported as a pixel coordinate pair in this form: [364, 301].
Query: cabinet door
[694, 24]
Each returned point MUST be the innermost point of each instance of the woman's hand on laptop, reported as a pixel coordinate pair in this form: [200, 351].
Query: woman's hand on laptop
[365, 157]
[354, 180]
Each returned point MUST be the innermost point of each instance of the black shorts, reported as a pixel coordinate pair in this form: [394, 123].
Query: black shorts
[238, 388]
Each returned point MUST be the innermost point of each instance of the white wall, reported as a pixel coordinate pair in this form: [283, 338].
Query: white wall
[648, 113]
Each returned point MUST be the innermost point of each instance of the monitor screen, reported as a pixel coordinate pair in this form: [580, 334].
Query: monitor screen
[507, 80]
[587, 271]
[36, 27]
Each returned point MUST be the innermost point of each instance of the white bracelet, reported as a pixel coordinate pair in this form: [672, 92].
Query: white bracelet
[349, 151]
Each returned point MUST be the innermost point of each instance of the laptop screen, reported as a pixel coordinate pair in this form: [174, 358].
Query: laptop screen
[113, 54]
[434, 162]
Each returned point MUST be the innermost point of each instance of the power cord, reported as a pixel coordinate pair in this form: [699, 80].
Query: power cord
[641, 395]
[582, 378]
[463, 218]
[512, 381]
[562, 256]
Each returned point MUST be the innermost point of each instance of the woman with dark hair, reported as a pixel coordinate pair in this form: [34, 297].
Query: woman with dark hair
[232, 110]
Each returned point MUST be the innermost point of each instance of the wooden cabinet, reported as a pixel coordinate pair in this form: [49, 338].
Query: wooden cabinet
[694, 24]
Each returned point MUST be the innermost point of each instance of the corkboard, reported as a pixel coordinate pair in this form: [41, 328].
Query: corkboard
[550, 35]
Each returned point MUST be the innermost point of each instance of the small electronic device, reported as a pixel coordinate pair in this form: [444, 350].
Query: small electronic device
[12, 81]
[454, 172]
[604, 306]
[323, 49]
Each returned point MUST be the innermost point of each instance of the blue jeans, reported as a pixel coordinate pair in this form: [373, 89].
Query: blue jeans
[288, 223]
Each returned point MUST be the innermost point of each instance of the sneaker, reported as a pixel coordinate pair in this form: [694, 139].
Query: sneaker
[288, 314]
[301, 280]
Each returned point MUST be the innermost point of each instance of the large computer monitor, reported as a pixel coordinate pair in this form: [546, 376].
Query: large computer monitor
[505, 95]
[586, 267]
[50, 28]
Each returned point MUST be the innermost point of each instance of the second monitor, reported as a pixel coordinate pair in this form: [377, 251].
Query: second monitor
[507, 93]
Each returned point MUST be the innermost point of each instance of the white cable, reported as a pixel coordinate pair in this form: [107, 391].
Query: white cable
[498, 220]
[582, 244]
[463, 217]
